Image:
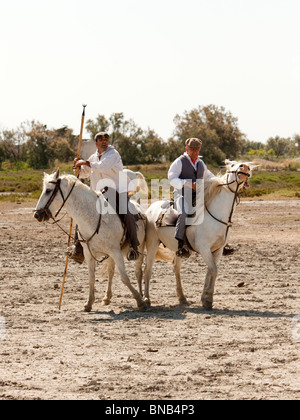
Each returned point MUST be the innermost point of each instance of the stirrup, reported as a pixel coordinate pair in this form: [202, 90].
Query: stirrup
[75, 252]
[183, 252]
[133, 254]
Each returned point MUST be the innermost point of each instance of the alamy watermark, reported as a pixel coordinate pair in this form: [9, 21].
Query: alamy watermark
[296, 329]
[188, 199]
[2, 328]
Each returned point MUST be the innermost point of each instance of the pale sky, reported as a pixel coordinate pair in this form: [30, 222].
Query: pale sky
[151, 60]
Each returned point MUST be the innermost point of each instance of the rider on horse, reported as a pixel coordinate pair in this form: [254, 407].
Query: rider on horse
[184, 174]
[105, 165]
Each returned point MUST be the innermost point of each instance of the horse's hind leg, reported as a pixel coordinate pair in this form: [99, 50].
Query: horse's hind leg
[177, 266]
[118, 258]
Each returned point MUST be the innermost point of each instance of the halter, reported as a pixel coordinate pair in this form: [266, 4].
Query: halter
[236, 199]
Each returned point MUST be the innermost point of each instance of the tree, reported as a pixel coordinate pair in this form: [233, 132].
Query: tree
[216, 127]
[153, 148]
[280, 145]
[94, 127]
[135, 145]
[37, 146]
[173, 149]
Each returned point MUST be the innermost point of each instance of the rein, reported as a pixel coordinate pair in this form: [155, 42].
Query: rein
[236, 199]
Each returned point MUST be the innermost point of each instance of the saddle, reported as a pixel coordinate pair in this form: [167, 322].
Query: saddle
[168, 216]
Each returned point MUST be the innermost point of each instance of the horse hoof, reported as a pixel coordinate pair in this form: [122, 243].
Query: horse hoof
[143, 306]
[87, 308]
[105, 302]
[148, 302]
[183, 302]
[207, 306]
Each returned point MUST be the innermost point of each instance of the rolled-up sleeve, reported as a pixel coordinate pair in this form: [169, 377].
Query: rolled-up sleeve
[85, 172]
[106, 163]
[174, 173]
[207, 173]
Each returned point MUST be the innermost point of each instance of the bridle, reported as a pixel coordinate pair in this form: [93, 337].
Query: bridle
[57, 189]
[47, 212]
[236, 199]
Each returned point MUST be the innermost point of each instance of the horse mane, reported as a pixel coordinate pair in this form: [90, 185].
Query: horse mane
[70, 179]
[212, 188]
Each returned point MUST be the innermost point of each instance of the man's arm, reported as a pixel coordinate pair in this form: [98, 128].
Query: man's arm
[107, 162]
[85, 167]
[174, 173]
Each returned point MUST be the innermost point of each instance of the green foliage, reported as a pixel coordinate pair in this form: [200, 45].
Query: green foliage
[280, 183]
[216, 127]
[34, 145]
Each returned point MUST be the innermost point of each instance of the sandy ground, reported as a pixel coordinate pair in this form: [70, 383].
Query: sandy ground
[246, 348]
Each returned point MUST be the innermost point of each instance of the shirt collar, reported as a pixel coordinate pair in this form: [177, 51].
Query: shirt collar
[198, 159]
[99, 155]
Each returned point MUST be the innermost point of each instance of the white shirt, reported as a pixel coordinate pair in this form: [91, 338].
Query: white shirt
[106, 171]
[176, 169]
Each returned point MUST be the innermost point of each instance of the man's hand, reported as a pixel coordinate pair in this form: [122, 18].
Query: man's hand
[79, 162]
[195, 186]
[192, 185]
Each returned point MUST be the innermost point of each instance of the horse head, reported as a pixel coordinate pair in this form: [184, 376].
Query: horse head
[48, 197]
[238, 173]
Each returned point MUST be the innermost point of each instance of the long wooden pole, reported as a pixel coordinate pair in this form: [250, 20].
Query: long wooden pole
[71, 222]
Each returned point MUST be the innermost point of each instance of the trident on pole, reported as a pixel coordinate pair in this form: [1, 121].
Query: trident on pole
[71, 222]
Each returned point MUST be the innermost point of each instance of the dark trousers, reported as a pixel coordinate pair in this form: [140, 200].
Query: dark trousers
[121, 206]
[185, 211]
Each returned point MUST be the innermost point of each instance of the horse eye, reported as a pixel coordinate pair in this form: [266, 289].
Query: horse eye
[48, 191]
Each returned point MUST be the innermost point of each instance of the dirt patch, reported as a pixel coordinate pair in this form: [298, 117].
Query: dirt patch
[246, 348]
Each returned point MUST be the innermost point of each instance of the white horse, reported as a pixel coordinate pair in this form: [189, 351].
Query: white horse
[101, 230]
[221, 195]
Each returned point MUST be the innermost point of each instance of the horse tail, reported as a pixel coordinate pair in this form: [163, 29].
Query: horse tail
[163, 254]
[142, 184]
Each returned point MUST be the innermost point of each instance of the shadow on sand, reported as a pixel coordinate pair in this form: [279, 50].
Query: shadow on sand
[179, 312]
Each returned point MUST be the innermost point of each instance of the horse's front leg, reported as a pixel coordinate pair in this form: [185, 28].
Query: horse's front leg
[91, 267]
[209, 286]
[152, 245]
[111, 271]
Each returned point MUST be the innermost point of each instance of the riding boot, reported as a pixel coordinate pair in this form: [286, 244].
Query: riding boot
[183, 251]
[133, 253]
[228, 250]
[75, 251]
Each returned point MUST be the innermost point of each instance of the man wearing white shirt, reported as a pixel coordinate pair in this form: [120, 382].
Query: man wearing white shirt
[183, 176]
[105, 169]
